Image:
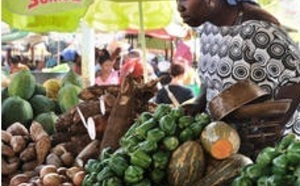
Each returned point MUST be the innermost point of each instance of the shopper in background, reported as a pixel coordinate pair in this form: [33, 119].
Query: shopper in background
[241, 41]
[16, 65]
[175, 92]
[106, 75]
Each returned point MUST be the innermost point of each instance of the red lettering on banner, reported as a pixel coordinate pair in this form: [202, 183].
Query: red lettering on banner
[36, 3]
[33, 3]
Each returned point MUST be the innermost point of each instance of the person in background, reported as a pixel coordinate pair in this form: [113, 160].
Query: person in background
[241, 41]
[39, 65]
[106, 75]
[175, 87]
[76, 66]
[16, 65]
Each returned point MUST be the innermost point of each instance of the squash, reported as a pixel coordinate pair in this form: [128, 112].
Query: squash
[220, 140]
[186, 164]
[224, 171]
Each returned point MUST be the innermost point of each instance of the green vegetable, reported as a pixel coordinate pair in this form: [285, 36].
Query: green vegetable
[133, 174]
[145, 116]
[130, 143]
[140, 158]
[105, 173]
[89, 166]
[142, 130]
[144, 182]
[275, 180]
[185, 121]
[177, 112]
[262, 181]
[89, 179]
[155, 135]
[118, 165]
[293, 153]
[202, 118]
[286, 141]
[161, 110]
[280, 165]
[186, 134]
[197, 128]
[160, 159]
[157, 175]
[148, 146]
[266, 156]
[171, 142]
[131, 130]
[241, 181]
[113, 181]
[167, 124]
[254, 171]
[106, 153]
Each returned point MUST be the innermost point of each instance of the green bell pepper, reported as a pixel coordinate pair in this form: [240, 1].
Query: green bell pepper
[131, 129]
[203, 118]
[89, 167]
[106, 152]
[161, 110]
[130, 143]
[87, 181]
[167, 124]
[158, 175]
[105, 173]
[185, 121]
[140, 158]
[113, 181]
[90, 179]
[286, 141]
[186, 134]
[241, 181]
[280, 164]
[145, 116]
[155, 135]
[171, 142]
[148, 146]
[118, 165]
[144, 182]
[293, 153]
[161, 159]
[133, 174]
[254, 171]
[262, 181]
[177, 112]
[141, 131]
[197, 128]
[266, 156]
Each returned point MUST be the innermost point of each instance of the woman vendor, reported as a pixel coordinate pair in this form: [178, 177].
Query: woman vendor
[241, 41]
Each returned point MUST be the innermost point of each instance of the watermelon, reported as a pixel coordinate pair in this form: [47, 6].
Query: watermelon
[47, 120]
[22, 85]
[16, 109]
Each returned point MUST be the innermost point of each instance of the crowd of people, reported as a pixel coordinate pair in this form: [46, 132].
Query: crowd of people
[112, 66]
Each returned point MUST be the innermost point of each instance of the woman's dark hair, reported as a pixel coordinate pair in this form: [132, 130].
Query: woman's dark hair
[176, 69]
[103, 56]
[15, 59]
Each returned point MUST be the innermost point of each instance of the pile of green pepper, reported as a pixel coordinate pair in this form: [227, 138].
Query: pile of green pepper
[146, 149]
[274, 166]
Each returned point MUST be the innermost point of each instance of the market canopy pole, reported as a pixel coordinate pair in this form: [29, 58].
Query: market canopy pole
[88, 55]
[143, 41]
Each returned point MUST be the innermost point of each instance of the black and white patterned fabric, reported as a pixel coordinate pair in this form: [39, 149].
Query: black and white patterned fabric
[254, 50]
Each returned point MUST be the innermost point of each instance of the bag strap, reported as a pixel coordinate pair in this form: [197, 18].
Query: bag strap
[172, 97]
